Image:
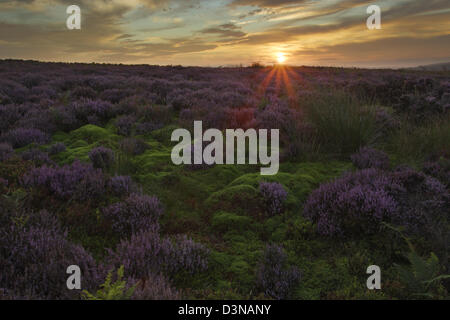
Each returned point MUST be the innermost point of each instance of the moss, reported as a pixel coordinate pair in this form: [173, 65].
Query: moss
[240, 199]
[223, 222]
[93, 134]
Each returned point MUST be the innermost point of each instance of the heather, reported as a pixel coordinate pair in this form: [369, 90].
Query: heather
[86, 178]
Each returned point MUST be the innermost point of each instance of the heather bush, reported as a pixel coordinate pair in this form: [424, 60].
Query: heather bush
[136, 213]
[133, 146]
[21, 137]
[124, 125]
[102, 158]
[439, 169]
[154, 287]
[273, 197]
[6, 151]
[82, 109]
[34, 263]
[274, 276]
[77, 181]
[37, 156]
[147, 127]
[146, 252]
[121, 185]
[188, 255]
[358, 202]
[56, 148]
[367, 158]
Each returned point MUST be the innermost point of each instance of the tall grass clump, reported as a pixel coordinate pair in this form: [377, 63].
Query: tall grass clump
[414, 143]
[342, 123]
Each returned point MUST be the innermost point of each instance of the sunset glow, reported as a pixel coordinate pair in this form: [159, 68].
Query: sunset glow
[281, 58]
[228, 32]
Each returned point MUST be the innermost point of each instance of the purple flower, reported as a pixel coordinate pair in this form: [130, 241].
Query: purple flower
[136, 213]
[370, 158]
[273, 196]
[80, 181]
[121, 185]
[101, 157]
[274, 277]
[22, 136]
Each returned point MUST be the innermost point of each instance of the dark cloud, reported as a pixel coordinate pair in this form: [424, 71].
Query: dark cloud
[227, 30]
[391, 51]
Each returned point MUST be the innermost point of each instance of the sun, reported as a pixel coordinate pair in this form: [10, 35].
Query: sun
[281, 57]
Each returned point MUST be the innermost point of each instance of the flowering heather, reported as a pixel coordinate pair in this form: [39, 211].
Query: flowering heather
[102, 158]
[154, 287]
[439, 169]
[147, 251]
[143, 253]
[133, 146]
[121, 185]
[34, 263]
[6, 151]
[189, 255]
[21, 137]
[56, 148]
[147, 127]
[124, 125]
[273, 195]
[370, 158]
[358, 202]
[37, 156]
[136, 213]
[99, 108]
[274, 277]
[78, 181]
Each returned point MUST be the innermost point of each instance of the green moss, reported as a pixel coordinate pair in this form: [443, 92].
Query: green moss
[93, 134]
[239, 199]
[223, 222]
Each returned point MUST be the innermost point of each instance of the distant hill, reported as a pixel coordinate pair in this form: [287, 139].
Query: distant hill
[434, 67]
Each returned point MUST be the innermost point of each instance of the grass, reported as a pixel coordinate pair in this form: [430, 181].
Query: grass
[342, 122]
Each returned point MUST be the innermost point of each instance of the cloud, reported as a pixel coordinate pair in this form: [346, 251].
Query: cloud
[397, 51]
[227, 30]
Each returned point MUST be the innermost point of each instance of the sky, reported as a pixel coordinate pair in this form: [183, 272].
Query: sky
[228, 32]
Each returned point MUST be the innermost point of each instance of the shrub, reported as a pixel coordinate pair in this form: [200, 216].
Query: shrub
[274, 277]
[37, 156]
[21, 137]
[273, 196]
[439, 169]
[370, 158]
[125, 125]
[188, 255]
[78, 181]
[147, 127]
[358, 202]
[146, 252]
[102, 158]
[133, 146]
[355, 203]
[56, 148]
[121, 185]
[6, 151]
[34, 263]
[136, 213]
[154, 287]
